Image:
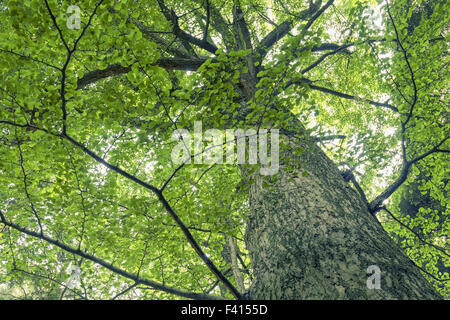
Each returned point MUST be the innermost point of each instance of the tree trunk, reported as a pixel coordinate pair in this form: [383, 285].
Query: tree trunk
[312, 237]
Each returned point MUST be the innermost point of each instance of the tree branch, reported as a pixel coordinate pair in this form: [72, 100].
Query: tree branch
[285, 27]
[313, 7]
[412, 231]
[339, 94]
[124, 291]
[241, 27]
[25, 183]
[169, 209]
[172, 17]
[243, 39]
[117, 69]
[413, 81]
[273, 37]
[30, 58]
[193, 243]
[68, 58]
[375, 205]
[110, 267]
[152, 36]
[220, 25]
[328, 138]
[208, 18]
[323, 57]
[53, 18]
[51, 279]
[357, 186]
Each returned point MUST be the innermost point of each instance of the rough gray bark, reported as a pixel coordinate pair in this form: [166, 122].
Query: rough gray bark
[312, 237]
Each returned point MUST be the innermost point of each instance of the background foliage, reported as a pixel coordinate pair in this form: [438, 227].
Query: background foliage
[86, 118]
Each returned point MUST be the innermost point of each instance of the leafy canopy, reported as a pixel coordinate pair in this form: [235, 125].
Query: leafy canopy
[87, 115]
